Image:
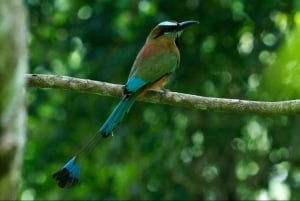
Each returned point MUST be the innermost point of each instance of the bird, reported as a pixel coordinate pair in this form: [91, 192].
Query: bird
[155, 62]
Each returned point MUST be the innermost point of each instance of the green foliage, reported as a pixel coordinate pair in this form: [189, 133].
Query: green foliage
[162, 152]
[281, 78]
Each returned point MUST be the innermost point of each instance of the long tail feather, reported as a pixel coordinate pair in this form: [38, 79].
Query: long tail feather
[117, 115]
[68, 176]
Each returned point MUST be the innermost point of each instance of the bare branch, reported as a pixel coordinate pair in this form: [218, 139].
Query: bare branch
[169, 98]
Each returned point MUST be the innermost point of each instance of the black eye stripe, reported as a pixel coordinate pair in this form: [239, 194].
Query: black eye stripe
[166, 29]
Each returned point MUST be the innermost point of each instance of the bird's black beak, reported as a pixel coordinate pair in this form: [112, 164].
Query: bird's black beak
[185, 24]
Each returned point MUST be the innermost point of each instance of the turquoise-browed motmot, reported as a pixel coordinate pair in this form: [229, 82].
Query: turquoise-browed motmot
[157, 59]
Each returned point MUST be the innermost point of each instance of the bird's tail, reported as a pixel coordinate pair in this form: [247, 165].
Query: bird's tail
[68, 176]
[117, 115]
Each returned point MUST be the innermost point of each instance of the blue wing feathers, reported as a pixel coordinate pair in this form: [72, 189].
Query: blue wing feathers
[134, 84]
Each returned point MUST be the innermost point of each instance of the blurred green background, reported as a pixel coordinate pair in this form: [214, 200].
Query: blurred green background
[241, 49]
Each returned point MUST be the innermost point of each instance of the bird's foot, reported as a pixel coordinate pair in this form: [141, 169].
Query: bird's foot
[162, 92]
[165, 91]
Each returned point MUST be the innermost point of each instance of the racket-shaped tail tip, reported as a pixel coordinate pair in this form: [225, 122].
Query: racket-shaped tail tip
[68, 176]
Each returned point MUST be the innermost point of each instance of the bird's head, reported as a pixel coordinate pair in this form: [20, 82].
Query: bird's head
[169, 30]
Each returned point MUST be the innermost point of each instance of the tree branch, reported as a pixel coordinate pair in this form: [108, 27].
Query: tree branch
[169, 98]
